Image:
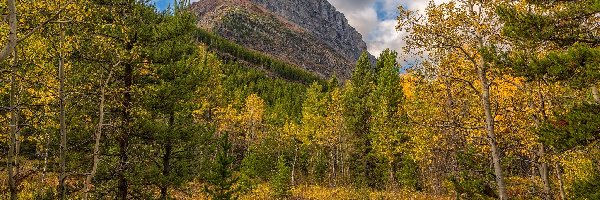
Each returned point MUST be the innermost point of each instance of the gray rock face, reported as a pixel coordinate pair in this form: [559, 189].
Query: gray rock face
[311, 34]
[323, 20]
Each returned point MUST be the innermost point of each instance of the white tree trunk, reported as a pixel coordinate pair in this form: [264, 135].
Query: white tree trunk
[489, 119]
[543, 168]
[6, 51]
[14, 129]
[12, 35]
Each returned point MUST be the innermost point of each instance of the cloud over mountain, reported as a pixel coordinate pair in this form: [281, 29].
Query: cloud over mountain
[376, 20]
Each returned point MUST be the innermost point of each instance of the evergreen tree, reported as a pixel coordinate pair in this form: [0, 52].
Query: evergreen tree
[557, 41]
[281, 179]
[176, 75]
[554, 40]
[357, 114]
[388, 120]
[221, 179]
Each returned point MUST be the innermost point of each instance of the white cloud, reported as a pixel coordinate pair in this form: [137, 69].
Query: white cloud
[349, 5]
[379, 34]
[385, 36]
[364, 20]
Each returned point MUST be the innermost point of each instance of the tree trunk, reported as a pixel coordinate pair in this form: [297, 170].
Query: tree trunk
[14, 128]
[595, 94]
[63, 130]
[97, 136]
[45, 167]
[543, 168]
[489, 118]
[166, 161]
[563, 196]
[12, 35]
[126, 129]
[166, 170]
[392, 179]
[336, 164]
[542, 164]
[342, 162]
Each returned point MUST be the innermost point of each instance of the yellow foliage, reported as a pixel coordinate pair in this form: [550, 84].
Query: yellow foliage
[315, 192]
[252, 119]
[228, 119]
[262, 191]
[577, 165]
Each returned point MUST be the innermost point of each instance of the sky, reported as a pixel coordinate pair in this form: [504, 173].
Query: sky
[375, 20]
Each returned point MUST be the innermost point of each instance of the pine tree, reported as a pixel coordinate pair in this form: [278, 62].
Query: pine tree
[357, 114]
[174, 81]
[554, 40]
[221, 179]
[281, 180]
[388, 120]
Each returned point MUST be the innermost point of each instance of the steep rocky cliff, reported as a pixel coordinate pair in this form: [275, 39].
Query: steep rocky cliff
[308, 33]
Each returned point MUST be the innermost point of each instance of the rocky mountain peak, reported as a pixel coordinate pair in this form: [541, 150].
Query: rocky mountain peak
[309, 33]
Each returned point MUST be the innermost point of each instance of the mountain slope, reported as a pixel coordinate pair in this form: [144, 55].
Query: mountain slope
[308, 33]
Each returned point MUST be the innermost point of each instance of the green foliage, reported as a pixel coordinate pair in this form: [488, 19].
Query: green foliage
[221, 177]
[577, 128]
[319, 166]
[473, 180]
[357, 114]
[356, 96]
[363, 74]
[281, 181]
[408, 174]
[588, 188]
[561, 30]
[282, 69]
[557, 21]
[281, 95]
[577, 65]
[376, 171]
[258, 165]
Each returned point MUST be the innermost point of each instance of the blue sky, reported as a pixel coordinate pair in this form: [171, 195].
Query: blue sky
[374, 19]
[162, 4]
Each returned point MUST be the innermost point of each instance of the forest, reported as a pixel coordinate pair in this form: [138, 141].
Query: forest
[116, 99]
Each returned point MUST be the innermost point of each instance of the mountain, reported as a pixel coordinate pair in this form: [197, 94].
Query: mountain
[311, 34]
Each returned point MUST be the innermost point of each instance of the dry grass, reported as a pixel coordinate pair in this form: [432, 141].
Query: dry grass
[315, 192]
[194, 191]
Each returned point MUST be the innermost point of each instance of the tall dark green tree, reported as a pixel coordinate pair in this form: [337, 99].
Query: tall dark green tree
[127, 28]
[388, 123]
[169, 94]
[357, 114]
[221, 179]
